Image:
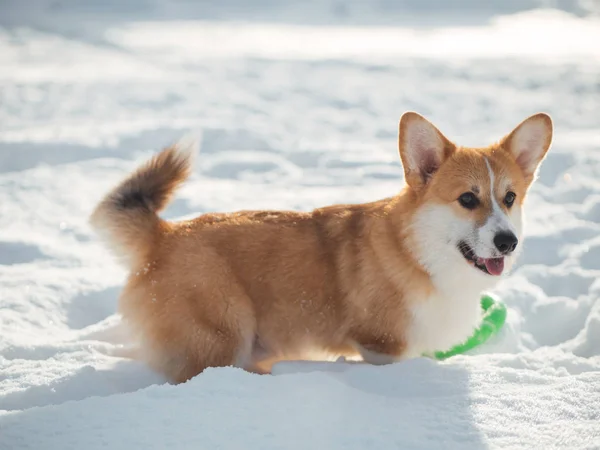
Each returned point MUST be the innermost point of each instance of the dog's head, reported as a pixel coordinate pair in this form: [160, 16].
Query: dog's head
[468, 201]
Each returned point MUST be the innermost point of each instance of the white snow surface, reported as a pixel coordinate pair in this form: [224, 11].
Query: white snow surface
[295, 105]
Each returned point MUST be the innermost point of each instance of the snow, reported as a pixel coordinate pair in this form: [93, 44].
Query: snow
[295, 105]
[419, 404]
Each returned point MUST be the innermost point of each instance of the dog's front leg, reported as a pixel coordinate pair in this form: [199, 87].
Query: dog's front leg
[381, 351]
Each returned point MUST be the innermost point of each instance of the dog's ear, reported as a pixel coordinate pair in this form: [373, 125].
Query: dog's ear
[529, 142]
[423, 149]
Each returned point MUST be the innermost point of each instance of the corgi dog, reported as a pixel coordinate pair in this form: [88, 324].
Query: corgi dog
[382, 281]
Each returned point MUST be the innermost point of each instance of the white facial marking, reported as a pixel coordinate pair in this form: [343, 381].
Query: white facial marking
[437, 230]
[497, 222]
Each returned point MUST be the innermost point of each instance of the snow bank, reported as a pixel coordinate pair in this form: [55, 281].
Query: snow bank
[419, 404]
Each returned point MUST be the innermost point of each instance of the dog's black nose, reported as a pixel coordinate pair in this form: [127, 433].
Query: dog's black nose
[505, 242]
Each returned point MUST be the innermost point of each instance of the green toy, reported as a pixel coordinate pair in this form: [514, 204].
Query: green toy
[494, 316]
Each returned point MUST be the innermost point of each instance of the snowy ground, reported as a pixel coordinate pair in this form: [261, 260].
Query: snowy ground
[295, 108]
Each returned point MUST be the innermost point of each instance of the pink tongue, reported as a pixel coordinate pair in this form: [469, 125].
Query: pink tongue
[494, 266]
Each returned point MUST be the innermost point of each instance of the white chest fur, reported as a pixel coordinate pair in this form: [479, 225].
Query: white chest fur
[440, 322]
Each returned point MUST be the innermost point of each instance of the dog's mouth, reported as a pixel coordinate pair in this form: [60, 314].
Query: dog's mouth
[491, 266]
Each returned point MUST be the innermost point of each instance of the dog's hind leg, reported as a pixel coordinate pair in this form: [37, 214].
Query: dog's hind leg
[183, 331]
[209, 347]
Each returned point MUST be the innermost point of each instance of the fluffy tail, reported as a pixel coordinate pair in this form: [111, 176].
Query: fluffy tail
[127, 217]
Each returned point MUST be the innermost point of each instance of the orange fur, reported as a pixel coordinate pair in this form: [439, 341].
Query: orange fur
[252, 287]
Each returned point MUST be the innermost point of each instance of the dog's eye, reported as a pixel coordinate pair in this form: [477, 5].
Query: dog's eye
[468, 200]
[509, 198]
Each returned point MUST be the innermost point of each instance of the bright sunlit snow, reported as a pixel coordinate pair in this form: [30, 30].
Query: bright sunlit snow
[295, 105]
